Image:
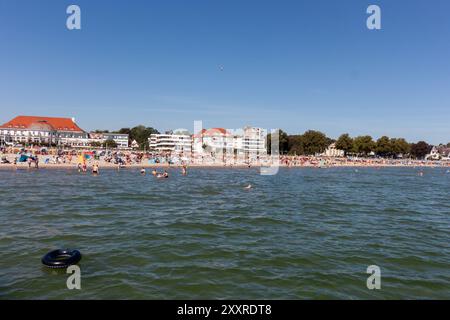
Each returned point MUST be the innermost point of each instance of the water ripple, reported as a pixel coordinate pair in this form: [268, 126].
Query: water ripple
[304, 233]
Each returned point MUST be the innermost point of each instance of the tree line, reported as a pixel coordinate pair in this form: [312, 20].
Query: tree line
[139, 133]
[314, 142]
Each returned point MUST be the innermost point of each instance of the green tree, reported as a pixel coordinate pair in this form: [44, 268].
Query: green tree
[344, 142]
[296, 145]
[123, 131]
[330, 141]
[400, 147]
[384, 146]
[283, 142]
[141, 134]
[95, 144]
[363, 145]
[110, 143]
[420, 149]
[314, 142]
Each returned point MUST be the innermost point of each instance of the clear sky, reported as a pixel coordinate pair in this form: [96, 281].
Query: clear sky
[294, 65]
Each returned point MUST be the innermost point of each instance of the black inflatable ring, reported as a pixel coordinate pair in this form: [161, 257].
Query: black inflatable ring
[61, 258]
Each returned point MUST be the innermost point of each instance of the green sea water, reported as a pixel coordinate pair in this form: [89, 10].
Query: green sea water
[301, 234]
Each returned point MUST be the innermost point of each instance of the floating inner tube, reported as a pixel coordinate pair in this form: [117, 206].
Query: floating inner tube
[61, 258]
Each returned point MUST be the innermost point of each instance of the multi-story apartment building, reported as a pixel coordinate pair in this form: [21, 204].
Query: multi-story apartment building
[178, 142]
[121, 139]
[246, 142]
[254, 141]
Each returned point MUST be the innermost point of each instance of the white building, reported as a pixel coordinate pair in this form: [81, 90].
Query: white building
[121, 139]
[134, 144]
[438, 153]
[247, 142]
[179, 142]
[253, 141]
[444, 152]
[332, 151]
[213, 141]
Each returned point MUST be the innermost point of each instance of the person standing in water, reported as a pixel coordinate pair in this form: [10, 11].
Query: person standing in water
[184, 170]
[95, 169]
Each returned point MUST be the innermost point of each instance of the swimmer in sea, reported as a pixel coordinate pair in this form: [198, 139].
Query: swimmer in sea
[95, 169]
[248, 187]
[143, 171]
[184, 170]
[79, 167]
[154, 172]
[163, 175]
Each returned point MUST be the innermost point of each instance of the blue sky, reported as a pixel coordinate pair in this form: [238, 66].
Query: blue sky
[294, 65]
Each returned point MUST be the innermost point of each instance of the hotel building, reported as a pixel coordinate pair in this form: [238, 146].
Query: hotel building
[43, 130]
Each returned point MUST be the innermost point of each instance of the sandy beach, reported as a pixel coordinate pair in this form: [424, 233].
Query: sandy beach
[48, 162]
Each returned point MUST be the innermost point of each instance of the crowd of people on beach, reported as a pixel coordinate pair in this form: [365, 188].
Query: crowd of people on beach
[312, 161]
[93, 159]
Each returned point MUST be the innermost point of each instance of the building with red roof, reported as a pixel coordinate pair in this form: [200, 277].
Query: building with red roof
[248, 142]
[43, 130]
[214, 140]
